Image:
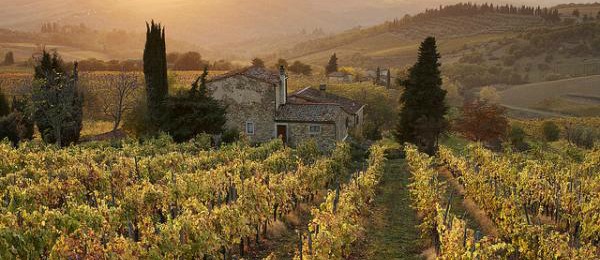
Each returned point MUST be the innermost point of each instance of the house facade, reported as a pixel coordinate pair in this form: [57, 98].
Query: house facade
[259, 106]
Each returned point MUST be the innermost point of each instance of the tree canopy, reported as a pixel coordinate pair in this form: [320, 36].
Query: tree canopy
[332, 65]
[422, 118]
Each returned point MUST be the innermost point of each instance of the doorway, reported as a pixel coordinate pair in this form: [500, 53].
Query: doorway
[282, 133]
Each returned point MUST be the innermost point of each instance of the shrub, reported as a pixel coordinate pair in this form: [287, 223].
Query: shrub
[516, 137]
[201, 142]
[509, 60]
[543, 67]
[8, 128]
[474, 58]
[188, 114]
[300, 68]
[371, 131]
[137, 121]
[4, 108]
[308, 151]
[230, 135]
[550, 131]
[16, 126]
[583, 136]
[25, 124]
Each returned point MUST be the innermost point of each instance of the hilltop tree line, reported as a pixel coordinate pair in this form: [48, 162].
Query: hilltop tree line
[297, 67]
[188, 61]
[464, 9]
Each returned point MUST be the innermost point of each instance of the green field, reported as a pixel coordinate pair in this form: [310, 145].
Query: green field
[575, 97]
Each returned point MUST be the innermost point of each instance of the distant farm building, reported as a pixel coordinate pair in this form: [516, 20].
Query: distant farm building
[340, 77]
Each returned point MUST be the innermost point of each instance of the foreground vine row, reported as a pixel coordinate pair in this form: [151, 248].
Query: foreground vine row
[547, 205]
[517, 193]
[450, 235]
[153, 200]
[337, 222]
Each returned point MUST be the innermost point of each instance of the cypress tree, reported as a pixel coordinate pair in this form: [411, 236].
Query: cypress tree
[155, 71]
[4, 107]
[389, 78]
[9, 58]
[422, 118]
[332, 66]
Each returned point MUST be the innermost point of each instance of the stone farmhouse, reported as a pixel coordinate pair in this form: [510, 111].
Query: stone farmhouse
[259, 105]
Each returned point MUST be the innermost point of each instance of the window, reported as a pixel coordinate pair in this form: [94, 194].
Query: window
[249, 128]
[314, 129]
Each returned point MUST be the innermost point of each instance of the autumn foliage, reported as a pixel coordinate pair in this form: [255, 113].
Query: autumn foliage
[482, 121]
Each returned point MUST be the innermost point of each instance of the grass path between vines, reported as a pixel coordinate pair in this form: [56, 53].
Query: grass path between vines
[466, 208]
[391, 230]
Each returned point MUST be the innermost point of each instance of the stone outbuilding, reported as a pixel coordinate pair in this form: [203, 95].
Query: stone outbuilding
[340, 77]
[259, 106]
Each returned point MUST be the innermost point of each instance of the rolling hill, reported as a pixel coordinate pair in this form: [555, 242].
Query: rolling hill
[219, 24]
[384, 46]
[574, 97]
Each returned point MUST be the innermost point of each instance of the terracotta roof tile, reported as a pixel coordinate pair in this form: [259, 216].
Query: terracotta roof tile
[254, 72]
[309, 112]
[315, 96]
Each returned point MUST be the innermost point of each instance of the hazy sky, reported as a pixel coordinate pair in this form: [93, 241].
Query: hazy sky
[213, 21]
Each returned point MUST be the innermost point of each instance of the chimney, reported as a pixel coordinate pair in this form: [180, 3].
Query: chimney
[323, 87]
[281, 91]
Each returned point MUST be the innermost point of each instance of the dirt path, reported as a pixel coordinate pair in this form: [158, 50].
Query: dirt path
[533, 112]
[462, 206]
[392, 232]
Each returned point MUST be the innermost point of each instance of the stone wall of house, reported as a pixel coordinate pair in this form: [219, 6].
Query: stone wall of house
[248, 100]
[361, 119]
[300, 132]
[355, 121]
[342, 124]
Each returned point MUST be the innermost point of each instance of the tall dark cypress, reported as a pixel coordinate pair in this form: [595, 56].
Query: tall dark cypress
[332, 65]
[422, 118]
[155, 71]
[4, 107]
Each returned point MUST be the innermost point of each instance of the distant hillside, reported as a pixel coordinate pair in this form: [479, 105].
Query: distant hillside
[393, 43]
[81, 42]
[207, 22]
[478, 49]
[214, 23]
[589, 9]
